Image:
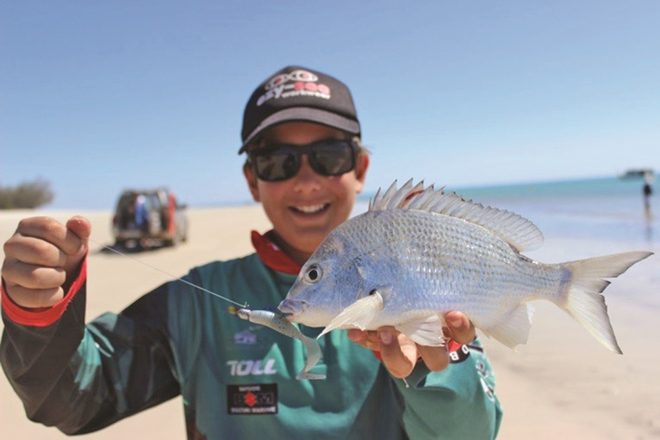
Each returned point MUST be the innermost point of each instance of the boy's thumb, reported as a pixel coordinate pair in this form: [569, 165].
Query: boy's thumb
[78, 228]
[81, 227]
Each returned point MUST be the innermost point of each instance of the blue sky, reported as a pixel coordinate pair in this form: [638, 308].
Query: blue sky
[100, 96]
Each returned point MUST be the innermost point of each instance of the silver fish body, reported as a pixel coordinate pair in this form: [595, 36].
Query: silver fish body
[419, 253]
[429, 262]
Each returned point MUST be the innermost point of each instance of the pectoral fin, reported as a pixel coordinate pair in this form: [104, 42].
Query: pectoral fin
[424, 332]
[359, 314]
[514, 328]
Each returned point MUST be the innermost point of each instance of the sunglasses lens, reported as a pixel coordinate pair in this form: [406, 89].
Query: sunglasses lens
[276, 165]
[332, 158]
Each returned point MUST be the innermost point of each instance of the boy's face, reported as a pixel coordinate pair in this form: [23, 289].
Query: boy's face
[306, 207]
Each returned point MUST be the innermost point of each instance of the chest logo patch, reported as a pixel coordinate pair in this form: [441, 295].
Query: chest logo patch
[252, 399]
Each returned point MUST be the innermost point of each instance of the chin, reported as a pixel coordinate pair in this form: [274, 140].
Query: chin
[309, 246]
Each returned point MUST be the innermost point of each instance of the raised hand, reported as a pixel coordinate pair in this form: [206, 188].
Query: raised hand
[42, 258]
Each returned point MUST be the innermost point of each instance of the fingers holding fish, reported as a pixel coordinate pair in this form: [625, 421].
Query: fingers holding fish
[398, 352]
[435, 358]
[459, 327]
[365, 338]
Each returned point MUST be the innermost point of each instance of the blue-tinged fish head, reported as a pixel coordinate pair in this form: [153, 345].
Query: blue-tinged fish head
[326, 284]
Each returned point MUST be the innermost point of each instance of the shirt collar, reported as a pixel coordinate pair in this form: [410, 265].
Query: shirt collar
[271, 254]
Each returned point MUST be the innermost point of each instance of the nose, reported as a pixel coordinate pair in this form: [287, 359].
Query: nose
[292, 306]
[306, 179]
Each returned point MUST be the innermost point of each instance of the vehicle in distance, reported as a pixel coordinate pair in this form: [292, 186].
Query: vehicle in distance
[148, 218]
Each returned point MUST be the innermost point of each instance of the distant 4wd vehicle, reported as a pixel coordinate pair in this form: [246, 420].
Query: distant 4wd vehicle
[147, 218]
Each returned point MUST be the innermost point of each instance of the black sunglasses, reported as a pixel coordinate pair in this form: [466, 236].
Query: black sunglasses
[329, 157]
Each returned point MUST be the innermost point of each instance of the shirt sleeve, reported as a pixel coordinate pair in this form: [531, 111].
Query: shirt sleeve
[81, 378]
[456, 403]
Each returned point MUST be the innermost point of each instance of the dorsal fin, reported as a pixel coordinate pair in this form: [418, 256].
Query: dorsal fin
[516, 230]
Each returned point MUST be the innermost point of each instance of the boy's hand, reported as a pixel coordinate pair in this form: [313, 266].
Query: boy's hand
[41, 259]
[400, 354]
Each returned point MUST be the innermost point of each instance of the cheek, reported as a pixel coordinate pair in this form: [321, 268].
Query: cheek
[338, 187]
[350, 186]
[270, 194]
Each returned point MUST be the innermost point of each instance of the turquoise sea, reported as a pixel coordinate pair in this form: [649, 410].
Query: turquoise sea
[607, 208]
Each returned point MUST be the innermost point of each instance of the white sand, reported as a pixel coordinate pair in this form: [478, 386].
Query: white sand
[562, 384]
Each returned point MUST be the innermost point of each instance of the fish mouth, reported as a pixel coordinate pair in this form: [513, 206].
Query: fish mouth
[292, 307]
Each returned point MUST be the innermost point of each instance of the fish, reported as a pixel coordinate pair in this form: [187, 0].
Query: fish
[418, 252]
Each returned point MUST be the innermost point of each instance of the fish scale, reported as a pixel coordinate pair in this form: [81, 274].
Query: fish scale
[418, 253]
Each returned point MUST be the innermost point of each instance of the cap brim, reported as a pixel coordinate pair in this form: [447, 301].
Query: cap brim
[298, 114]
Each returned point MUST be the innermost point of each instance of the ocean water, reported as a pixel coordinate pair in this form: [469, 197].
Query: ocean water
[607, 208]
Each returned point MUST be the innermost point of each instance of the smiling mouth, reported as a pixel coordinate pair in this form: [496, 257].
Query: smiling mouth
[311, 209]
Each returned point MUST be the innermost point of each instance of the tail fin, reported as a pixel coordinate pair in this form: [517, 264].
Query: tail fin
[584, 300]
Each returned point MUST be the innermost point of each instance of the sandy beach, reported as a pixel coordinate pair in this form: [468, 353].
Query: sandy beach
[562, 384]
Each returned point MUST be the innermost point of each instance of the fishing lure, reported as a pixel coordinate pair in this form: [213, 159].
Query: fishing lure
[279, 323]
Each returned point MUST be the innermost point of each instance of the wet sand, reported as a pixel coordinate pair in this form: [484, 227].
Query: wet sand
[563, 383]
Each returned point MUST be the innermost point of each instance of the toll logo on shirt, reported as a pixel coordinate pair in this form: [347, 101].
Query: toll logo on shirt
[246, 367]
[252, 399]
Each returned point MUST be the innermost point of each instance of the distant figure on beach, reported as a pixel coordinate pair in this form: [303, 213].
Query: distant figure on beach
[305, 164]
[647, 192]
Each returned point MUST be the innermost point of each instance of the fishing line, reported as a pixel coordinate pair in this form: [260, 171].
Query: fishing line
[217, 295]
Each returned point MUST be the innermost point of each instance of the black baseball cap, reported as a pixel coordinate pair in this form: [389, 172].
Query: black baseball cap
[297, 93]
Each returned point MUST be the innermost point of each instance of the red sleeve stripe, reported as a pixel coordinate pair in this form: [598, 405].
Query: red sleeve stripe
[46, 316]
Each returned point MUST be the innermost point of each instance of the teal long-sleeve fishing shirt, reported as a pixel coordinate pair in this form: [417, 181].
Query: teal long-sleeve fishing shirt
[237, 379]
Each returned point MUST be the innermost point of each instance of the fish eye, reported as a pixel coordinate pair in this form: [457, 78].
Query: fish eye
[313, 273]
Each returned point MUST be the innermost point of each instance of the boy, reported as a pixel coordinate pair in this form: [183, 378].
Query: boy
[305, 165]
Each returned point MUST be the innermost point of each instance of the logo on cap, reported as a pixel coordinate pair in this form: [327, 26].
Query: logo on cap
[294, 84]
